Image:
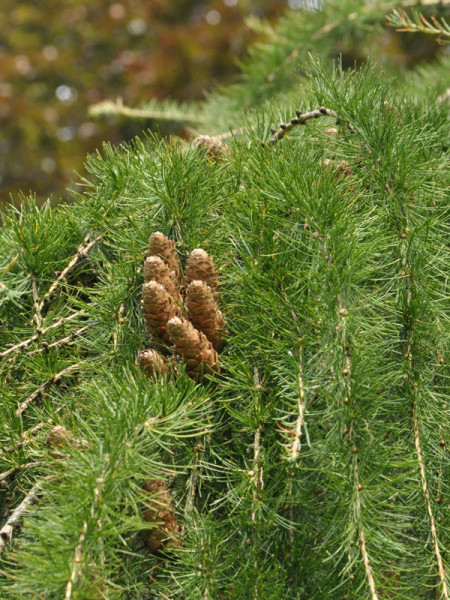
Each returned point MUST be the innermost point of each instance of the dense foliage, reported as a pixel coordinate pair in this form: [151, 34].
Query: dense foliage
[316, 464]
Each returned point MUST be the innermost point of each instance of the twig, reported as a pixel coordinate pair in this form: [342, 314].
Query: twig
[119, 323]
[45, 347]
[301, 410]
[24, 405]
[33, 338]
[27, 435]
[257, 474]
[426, 493]
[417, 444]
[76, 562]
[300, 119]
[79, 548]
[362, 540]
[82, 252]
[37, 308]
[7, 530]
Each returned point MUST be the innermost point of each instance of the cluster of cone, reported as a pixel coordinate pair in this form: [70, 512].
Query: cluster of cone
[181, 315]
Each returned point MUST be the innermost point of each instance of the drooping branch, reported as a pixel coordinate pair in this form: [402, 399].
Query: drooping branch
[54, 379]
[7, 530]
[82, 252]
[40, 332]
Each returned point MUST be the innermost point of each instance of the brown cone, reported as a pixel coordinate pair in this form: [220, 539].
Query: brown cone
[159, 510]
[158, 308]
[204, 313]
[160, 245]
[213, 145]
[152, 363]
[59, 438]
[157, 270]
[194, 348]
[201, 266]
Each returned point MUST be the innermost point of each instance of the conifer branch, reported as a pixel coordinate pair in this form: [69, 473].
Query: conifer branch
[82, 252]
[299, 119]
[27, 436]
[343, 313]
[76, 562]
[426, 493]
[120, 321]
[66, 340]
[77, 565]
[418, 23]
[406, 275]
[57, 377]
[301, 410]
[41, 332]
[257, 472]
[37, 305]
[6, 531]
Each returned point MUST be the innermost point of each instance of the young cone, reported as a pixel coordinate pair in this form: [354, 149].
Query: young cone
[158, 308]
[201, 266]
[152, 363]
[194, 348]
[160, 245]
[159, 510]
[204, 313]
[157, 270]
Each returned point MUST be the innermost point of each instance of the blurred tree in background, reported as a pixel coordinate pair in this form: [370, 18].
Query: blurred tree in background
[58, 57]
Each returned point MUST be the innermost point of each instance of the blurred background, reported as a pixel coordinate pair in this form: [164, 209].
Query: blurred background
[58, 57]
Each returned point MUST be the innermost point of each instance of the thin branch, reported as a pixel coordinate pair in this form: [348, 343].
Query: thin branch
[45, 347]
[79, 548]
[54, 379]
[299, 119]
[7, 530]
[423, 478]
[362, 540]
[76, 562]
[426, 493]
[119, 323]
[27, 436]
[82, 252]
[36, 303]
[301, 410]
[418, 23]
[41, 332]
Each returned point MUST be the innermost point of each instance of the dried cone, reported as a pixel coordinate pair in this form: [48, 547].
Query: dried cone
[158, 308]
[152, 363]
[204, 313]
[157, 270]
[194, 348]
[213, 145]
[59, 438]
[160, 245]
[201, 266]
[159, 510]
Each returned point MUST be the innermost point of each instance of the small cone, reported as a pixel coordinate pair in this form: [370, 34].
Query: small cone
[160, 245]
[157, 270]
[59, 438]
[213, 145]
[204, 313]
[158, 308]
[152, 363]
[201, 266]
[159, 510]
[194, 348]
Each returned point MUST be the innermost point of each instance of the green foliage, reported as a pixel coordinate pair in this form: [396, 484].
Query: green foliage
[316, 465]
